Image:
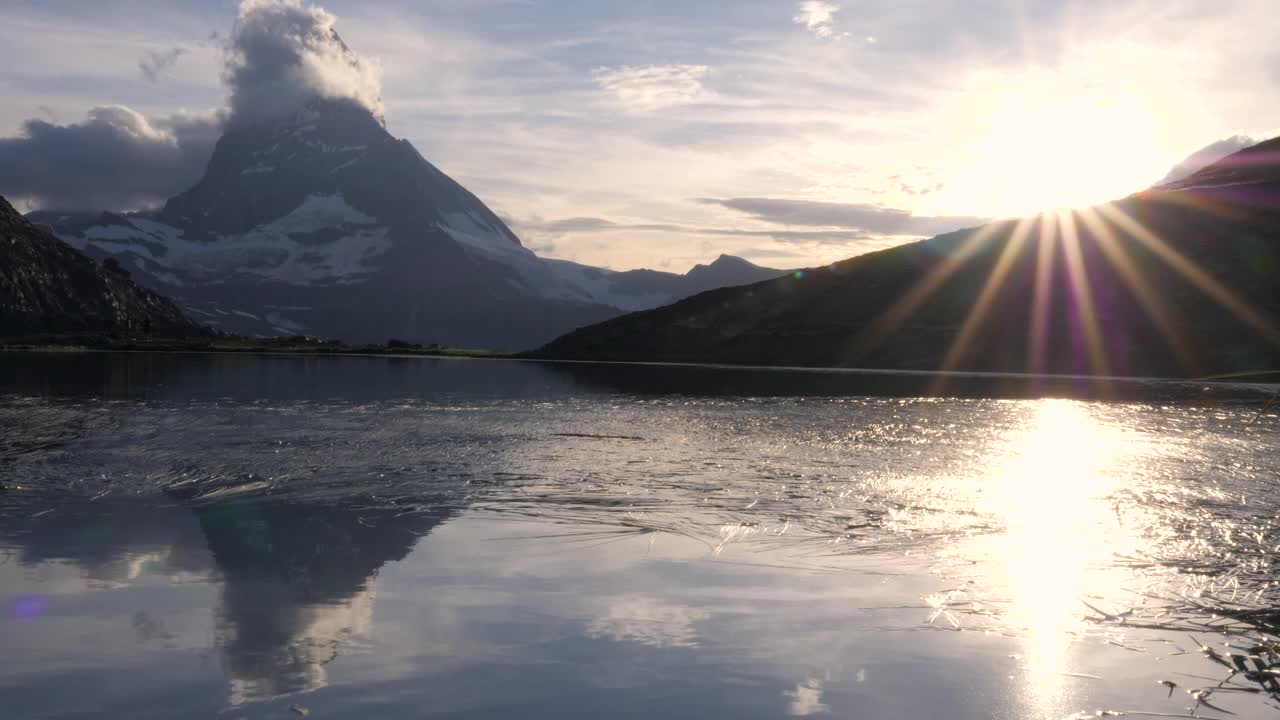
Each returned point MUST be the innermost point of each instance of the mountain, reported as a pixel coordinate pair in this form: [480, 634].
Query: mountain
[1181, 280]
[48, 288]
[632, 290]
[323, 223]
[1249, 176]
[1206, 156]
[725, 271]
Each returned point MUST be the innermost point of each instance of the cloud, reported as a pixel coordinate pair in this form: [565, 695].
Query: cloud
[872, 219]
[282, 54]
[154, 63]
[1206, 156]
[647, 621]
[819, 18]
[806, 699]
[652, 87]
[545, 230]
[114, 159]
[574, 225]
[764, 254]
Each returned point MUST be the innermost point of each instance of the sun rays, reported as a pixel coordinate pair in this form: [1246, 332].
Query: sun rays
[920, 293]
[1042, 302]
[1074, 253]
[994, 283]
[1083, 305]
[1204, 282]
[1137, 283]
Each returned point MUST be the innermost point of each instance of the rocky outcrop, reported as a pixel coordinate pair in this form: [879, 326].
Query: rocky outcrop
[48, 288]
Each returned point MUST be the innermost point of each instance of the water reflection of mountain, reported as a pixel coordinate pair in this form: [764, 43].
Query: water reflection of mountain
[111, 540]
[298, 580]
[299, 583]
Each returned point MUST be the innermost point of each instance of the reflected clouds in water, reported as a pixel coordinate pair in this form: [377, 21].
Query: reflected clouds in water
[806, 699]
[298, 586]
[237, 543]
[297, 582]
[647, 621]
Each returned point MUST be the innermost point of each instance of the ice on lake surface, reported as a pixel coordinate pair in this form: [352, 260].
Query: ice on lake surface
[255, 536]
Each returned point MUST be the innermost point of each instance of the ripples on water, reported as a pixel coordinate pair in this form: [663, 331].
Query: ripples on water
[1060, 524]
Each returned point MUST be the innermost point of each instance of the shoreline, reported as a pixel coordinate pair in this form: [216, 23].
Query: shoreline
[1262, 381]
[285, 347]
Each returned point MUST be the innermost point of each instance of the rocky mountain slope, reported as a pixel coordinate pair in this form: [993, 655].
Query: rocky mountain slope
[1181, 280]
[48, 288]
[322, 223]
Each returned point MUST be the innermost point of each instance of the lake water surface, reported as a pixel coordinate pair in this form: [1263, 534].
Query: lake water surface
[346, 537]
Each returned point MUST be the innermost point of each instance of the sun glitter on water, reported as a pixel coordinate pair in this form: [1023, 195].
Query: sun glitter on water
[1052, 496]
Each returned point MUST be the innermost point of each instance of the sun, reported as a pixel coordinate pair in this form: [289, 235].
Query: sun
[1032, 147]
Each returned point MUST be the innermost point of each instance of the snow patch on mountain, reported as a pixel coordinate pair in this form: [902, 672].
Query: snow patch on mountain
[318, 212]
[323, 240]
[476, 234]
[595, 285]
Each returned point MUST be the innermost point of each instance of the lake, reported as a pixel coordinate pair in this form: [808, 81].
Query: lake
[250, 536]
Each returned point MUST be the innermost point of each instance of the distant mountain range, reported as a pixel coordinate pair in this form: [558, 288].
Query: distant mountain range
[48, 288]
[1179, 280]
[322, 223]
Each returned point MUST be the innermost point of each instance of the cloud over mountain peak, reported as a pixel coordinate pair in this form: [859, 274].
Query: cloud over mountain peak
[283, 53]
[280, 55]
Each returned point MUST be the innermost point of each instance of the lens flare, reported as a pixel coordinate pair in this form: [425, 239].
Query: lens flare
[1083, 306]
[920, 292]
[27, 608]
[1152, 304]
[995, 283]
[1193, 273]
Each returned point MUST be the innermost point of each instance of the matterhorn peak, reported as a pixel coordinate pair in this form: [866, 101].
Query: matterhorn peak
[311, 218]
[282, 55]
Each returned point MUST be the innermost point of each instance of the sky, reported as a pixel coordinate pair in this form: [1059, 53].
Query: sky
[662, 133]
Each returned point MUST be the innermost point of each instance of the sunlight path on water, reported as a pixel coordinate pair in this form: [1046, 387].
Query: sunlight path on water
[541, 543]
[1052, 494]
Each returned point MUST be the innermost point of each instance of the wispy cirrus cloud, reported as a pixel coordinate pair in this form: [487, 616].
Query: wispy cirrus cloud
[548, 230]
[652, 87]
[861, 217]
[154, 63]
[721, 100]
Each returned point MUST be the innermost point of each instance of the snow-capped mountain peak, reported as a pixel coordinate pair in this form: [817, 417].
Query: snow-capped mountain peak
[261, 172]
[322, 222]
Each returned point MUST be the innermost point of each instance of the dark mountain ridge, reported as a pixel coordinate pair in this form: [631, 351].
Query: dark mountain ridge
[1181, 280]
[48, 288]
